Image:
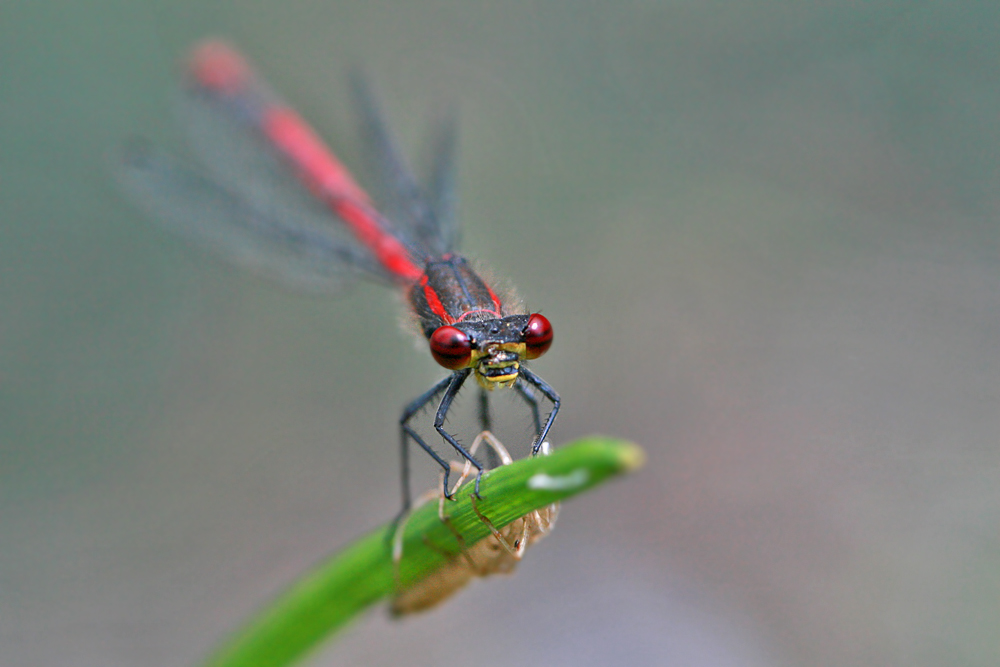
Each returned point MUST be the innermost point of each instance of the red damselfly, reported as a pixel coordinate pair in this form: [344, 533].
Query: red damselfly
[276, 198]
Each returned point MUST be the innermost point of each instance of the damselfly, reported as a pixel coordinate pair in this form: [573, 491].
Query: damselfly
[276, 198]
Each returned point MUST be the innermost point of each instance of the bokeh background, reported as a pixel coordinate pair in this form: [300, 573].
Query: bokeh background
[766, 234]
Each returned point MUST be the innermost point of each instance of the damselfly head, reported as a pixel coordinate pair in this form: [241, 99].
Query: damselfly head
[492, 347]
[499, 364]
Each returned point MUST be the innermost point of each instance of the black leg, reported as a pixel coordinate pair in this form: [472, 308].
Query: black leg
[550, 394]
[486, 424]
[484, 411]
[457, 380]
[532, 401]
[407, 432]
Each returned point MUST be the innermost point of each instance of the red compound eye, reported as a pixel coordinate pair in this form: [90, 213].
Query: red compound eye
[537, 335]
[451, 347]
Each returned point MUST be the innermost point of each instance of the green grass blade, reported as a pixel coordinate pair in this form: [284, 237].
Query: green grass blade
[363, 573]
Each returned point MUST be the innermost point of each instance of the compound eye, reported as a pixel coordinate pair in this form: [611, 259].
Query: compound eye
[537, 336]
[451, 347]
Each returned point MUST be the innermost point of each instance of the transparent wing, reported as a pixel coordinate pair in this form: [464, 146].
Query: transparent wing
[301, 250]
[239, 157]
[442, 185]
[405, 203]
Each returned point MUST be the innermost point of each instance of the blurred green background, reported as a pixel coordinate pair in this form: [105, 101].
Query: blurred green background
[765, 233]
